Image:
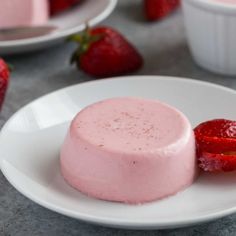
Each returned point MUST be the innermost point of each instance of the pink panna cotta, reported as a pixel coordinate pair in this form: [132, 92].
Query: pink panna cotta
[14, 13]
[226, 1]
[129, 150]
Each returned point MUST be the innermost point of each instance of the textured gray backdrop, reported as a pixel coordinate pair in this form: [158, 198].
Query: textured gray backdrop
[163, 45]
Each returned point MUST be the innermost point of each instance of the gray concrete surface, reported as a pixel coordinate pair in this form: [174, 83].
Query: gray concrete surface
[163, 45]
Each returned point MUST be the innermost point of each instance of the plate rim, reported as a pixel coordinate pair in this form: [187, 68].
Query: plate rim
[117, 78]
[57, 36]
[108, 221]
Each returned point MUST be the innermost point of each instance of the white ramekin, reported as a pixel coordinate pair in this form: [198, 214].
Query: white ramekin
[211, 34]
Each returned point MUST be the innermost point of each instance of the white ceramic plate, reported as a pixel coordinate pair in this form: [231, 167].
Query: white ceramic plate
[70, 22]
[30, 142]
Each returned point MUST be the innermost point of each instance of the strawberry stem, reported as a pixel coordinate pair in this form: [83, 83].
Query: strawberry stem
[84, 39]
[10, 67]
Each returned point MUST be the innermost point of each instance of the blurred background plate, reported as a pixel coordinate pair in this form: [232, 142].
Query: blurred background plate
[68, 23]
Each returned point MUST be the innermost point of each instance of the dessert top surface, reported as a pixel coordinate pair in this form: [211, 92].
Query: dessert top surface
[130, 124]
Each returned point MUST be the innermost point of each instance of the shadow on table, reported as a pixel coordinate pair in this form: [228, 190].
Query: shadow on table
[133, 10]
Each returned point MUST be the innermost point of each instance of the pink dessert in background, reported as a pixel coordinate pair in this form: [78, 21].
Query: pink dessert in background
[129, 150]
[226, 1]
[15, 13]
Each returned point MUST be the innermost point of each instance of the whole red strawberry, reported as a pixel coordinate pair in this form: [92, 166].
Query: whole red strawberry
[4, 80]
[104, 52]
[216, 145]
[57, 6]
[157, 9]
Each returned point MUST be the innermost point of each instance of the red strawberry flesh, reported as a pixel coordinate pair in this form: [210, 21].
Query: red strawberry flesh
[58, 6]
[104, 52]
[216, 145]
[4, 79]
[220, 128]
[217, 162]
[157, 9]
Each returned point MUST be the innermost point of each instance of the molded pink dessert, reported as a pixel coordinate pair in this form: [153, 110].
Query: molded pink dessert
[15, 13]
[226, 1]
[129, 150]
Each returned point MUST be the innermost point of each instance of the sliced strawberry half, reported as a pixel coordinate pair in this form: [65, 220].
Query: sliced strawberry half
[220, 128]
[216, 145]
[217, 162]
[216, 136]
